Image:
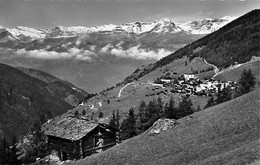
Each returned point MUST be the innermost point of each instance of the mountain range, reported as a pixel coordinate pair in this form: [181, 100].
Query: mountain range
[79, 54]
[165, 25]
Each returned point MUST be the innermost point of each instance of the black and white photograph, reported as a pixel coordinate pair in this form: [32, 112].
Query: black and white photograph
[130, 82]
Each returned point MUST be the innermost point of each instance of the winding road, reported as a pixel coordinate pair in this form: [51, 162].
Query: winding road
[120, 91]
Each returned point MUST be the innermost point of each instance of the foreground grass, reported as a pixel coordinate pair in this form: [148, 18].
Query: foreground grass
[224, 134]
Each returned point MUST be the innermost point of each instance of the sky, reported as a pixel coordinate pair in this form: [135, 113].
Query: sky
[89, 13]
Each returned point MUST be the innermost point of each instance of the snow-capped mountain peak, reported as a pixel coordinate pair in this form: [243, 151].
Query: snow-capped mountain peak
[102, 28]
[164, 20]
[26, 32]
[228, 18]
[140, 27]
[61, 31]
[164, 25]
[205, 26]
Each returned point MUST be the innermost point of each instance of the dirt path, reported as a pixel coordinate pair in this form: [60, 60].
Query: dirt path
[216, 69]
[120, 91]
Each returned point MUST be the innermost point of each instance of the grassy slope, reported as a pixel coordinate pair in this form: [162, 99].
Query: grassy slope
[178, 66]
[133, 94]
[224, 134]
[234, 74]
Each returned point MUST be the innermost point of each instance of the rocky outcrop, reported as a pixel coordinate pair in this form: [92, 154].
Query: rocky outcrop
[162, 125]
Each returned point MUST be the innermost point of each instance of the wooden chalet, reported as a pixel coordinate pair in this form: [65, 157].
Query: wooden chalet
[75, 138]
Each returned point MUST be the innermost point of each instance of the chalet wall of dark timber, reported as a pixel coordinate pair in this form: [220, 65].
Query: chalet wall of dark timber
[75, 138]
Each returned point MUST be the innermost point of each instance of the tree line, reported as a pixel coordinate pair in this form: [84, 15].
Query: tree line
[35, 147]
[150, 112]
[8, 152]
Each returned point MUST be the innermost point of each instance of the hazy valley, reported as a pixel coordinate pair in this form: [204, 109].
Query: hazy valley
[76, 54]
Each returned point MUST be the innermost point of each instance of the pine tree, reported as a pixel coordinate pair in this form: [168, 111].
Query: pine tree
[159, 107]
[1, 95]
[114, 116]
[13, 156]
[152, 114]
[198, 108]
[112, 122]
[83, 113]
[170, 110]
[117, 119]
[100, 115]
[210, 102]
[4, 151]
[128, 127]
[92, 116]
[76, 113]
[142, 117]
[185, 108]
[38, 144]
[246, 82]
[224, 95]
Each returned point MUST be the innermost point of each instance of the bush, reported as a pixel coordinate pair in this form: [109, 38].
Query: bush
[128, 128]
[246, 82]
[76, 113]
[83, 112]
[100, 115]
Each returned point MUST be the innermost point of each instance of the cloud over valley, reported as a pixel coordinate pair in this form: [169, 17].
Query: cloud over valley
[72, 53]
[90, 53]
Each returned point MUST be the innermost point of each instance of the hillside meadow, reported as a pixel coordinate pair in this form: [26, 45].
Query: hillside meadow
[224, 134]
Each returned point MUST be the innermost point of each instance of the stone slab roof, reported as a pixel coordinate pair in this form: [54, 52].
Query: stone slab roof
[71, 128]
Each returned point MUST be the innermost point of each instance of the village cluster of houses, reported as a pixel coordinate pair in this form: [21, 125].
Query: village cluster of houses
[189, 84]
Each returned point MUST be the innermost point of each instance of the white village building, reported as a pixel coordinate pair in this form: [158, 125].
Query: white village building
[189, 76]
[165, 80]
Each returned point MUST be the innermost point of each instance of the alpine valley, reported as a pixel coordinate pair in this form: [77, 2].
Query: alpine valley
[219, 55]
[226, 132]
[98, 57]
[172, 93]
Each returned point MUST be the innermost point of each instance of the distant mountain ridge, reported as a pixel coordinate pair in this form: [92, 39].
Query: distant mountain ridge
[138, 28]
[144, 36]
